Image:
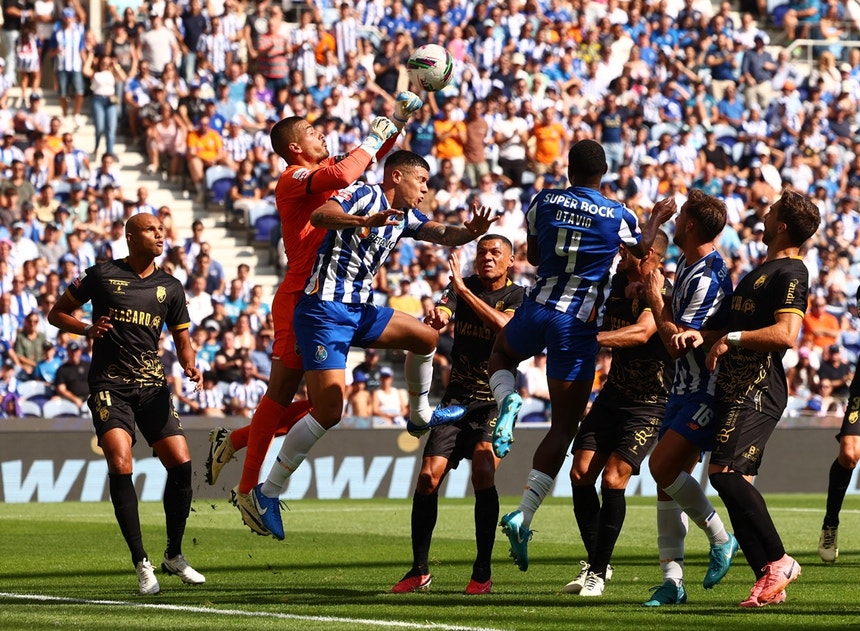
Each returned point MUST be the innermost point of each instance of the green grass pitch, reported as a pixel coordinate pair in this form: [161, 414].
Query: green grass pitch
[66, 566]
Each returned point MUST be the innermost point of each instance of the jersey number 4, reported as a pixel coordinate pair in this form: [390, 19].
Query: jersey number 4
[567, 245]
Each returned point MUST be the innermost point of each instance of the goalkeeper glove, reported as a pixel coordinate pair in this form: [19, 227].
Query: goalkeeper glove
[381, 129]
[405, 105]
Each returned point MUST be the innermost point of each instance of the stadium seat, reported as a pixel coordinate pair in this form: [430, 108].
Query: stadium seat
[62, 190]
[218, 172]
[263, 228]
[60, 407]
[30, 389]
[30, 408]
[722, 130]
[218, 192]
[777, 14]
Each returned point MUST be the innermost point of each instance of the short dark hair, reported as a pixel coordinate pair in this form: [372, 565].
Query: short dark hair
[283, 133]
[406, 160]
[587, 159]
[801, 217]
[497, 237]
[708, 212]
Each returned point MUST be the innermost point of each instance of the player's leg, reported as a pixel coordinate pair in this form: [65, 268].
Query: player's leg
[525, 330]
[613, 510]
[159, 424]
[276, 411]
[404, 332]
[484, 465]
[839, 479]
[328, 388]
[587, 465]
[425, 509]
[114, 425]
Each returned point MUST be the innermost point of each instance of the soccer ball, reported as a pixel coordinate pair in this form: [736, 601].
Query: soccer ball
[430, 67]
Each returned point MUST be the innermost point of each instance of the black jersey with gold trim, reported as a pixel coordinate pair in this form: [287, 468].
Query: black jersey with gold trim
[127, 355]
[755, 378]
[473, 340]
[641, 373]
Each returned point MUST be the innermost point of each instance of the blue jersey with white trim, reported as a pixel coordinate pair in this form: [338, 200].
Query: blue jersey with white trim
[701, 300]
[578, 232]
[349, 258]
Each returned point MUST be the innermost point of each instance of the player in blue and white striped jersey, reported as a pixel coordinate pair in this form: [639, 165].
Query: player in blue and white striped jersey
[700, 302]
[337, 311]
[573, 237]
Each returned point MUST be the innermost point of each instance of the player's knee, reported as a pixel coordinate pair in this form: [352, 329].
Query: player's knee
[579, 475]
[427, 483]
[848, 458]
[614, 479]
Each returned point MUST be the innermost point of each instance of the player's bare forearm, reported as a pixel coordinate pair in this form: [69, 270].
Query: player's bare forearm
[442, 234]
[187, 357]
[490, 316]
[331, 217]
[629, 336]
[61, 316]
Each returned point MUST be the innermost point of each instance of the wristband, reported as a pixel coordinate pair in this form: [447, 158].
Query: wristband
[734, 338]
[87, 330]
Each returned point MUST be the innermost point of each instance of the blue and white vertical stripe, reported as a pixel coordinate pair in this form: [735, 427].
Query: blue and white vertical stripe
[700, 300]
[578, 233]
[348, 259]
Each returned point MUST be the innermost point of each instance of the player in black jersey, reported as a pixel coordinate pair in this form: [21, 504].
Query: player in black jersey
[841, 470]
[765, 319]
[132, 300]
[624, 421]
[481, 305]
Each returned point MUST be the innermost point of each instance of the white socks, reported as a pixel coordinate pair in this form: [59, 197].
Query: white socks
[418, 372]
[671, 531]
[690, 496]
[502, 383]
[538, 486]
[297, 443]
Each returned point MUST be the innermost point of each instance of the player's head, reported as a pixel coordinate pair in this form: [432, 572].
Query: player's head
[494, 256]
[586, 163]
[297, 141]
[407, 173]
[702, 216]
[144, 234]
[795, 214]
[650, 261]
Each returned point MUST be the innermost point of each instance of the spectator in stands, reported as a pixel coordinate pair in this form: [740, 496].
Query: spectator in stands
[9, 398]
[836, 371]
[229, 359]
[199, 300]
[450, 136]
[246, 392]
[209, 400]
[46, 369]
[68, 47]
[370, 368]
[245, 337]
[511, 134]
[359, 401]
[104, 74]
[261, 356]
[205, 149]
[390, 403]
[245, 191]
[214, 275]
[23, 303]
[71, 163]
[29, 342]
[820, 325]
[71, 378]
[800, 18]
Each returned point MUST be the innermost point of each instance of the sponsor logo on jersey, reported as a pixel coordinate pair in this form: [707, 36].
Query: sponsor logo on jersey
[301, 174]
[118, 285]
[161, 293]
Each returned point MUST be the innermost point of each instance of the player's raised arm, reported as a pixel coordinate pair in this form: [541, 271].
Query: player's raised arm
[444, 234]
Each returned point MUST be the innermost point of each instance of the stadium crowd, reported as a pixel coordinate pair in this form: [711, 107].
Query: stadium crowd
[681, 95]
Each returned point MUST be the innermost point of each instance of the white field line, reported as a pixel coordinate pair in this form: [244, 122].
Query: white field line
[393, 624]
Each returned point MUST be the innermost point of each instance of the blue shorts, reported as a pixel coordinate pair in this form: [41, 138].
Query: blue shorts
[66, 77]
[325, 330]
[571, 345]
[693, 416]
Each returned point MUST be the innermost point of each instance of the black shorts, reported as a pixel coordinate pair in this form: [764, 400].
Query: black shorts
[150, 408]
[850, 426]
[456, 441]
[626, 428]
[742, 434]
